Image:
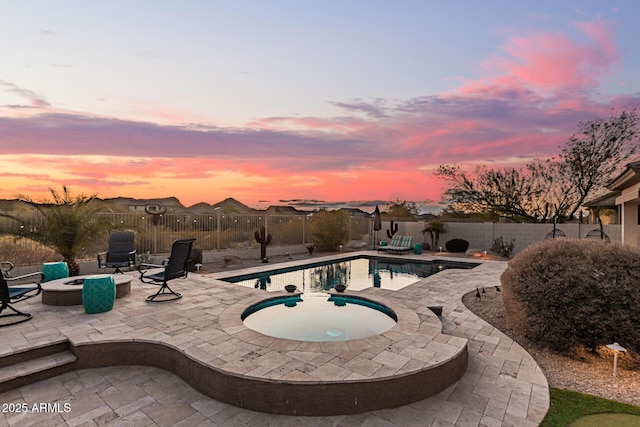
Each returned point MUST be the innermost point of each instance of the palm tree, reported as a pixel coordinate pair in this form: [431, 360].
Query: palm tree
[434, 228]
[66, 225]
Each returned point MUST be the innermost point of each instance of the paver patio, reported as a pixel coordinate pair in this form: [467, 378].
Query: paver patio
[503, 385]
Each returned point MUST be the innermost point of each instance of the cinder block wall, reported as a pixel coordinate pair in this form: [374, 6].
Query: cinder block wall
[481, 235]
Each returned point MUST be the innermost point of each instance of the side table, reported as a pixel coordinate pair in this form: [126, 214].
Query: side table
[98, 293]
[55, 270]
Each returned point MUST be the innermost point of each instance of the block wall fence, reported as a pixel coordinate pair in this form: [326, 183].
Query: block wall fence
[481, 235]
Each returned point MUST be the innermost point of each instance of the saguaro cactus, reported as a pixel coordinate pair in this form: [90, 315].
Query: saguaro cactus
[264, 240]
[393, 229]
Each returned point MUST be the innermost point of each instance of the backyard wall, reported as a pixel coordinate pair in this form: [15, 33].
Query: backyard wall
[233, 237]
[481, 235]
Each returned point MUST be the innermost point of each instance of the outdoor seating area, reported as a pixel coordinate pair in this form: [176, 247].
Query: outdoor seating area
[501, 384]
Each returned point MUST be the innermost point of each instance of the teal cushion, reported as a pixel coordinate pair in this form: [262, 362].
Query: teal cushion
[55, 270]
[98, 293]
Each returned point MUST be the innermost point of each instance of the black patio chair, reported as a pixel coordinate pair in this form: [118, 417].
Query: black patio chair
[174, 268]
[121, 253]
[28, 287]
[5, 268]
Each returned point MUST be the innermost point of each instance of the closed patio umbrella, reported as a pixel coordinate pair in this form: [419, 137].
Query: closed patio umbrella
[377, 225]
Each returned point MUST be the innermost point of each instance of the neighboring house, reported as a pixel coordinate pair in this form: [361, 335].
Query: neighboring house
[354, 212]
[284, 210]
[605, 208]
[628, 184]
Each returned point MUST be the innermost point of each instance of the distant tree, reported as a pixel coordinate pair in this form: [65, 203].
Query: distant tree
[329, 229]
[591, 157]
[67, 224]
[550, 188]
[402, 209]
[506, 193]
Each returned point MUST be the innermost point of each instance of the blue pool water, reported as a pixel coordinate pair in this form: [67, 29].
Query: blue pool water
[356, 274]
[319, 318]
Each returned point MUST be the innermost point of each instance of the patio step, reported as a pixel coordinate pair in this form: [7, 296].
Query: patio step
[36, 364]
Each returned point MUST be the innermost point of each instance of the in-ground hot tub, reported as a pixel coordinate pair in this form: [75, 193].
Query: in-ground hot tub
[318, 318]
[404, 364]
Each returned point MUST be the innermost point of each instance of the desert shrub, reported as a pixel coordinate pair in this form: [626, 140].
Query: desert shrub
[329, 229]
[457, 245]
[566, 293]
[503, 248]
[25, 251]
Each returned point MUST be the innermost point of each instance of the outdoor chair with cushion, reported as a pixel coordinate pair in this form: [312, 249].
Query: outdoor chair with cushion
[27, 286]
[395, 241]
[121, 253]
[173, 268]
[404, 245]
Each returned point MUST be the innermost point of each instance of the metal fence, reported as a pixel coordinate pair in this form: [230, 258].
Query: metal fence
[155, 234]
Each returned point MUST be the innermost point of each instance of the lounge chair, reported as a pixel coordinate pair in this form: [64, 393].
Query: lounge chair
[174, 268]
[121, 253]
[403, 244]
[395, 241]
[29, 287]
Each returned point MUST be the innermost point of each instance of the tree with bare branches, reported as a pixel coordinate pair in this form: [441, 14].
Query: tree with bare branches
[553, 188]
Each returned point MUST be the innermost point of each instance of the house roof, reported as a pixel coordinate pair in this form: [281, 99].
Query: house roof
[284, 210]
[356, 212]
[605, 201]
[630, 176]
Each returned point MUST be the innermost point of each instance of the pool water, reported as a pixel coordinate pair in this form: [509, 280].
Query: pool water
[319, 318]
[356, 274]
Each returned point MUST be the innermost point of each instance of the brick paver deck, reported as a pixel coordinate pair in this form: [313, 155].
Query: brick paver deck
[503, 385]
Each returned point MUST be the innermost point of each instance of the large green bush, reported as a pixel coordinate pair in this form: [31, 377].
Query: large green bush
[329, 229]
[566, 293]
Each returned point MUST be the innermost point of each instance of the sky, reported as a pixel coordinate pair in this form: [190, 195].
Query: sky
[273, 101]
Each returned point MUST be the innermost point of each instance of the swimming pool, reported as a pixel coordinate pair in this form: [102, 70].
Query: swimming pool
[355, 273]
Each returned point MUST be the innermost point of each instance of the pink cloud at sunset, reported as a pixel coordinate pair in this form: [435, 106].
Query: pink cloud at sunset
[550, 64]
[529, 95]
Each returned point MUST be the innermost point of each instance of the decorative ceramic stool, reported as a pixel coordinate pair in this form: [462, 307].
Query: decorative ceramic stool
[55, 270]
[417, 248]
[98, 293]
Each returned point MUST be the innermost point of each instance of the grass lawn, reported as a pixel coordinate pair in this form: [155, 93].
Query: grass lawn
[568, 406]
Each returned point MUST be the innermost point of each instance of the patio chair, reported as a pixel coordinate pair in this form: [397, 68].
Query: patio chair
[5, 268]
[174, 268]
[121, 253]
[29, 287]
